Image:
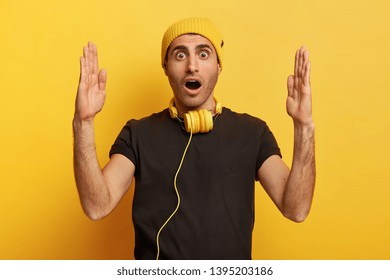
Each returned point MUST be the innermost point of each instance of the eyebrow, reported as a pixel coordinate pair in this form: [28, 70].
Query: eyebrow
[198, 47]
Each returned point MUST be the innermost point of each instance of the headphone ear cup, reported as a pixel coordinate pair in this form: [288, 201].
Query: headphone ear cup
[192, 122]
[218, 106]
[198, 121]
[172, 109]
[202, 121]
[206, 120]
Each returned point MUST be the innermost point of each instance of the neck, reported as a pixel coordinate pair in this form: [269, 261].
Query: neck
[182, 109]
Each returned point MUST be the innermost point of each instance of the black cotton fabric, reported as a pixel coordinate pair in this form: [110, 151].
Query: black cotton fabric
[216, 184]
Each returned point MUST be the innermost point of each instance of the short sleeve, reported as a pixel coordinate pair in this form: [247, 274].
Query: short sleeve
[123, 144]
[268, 147]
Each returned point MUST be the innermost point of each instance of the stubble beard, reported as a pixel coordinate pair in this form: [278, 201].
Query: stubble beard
[189, 102]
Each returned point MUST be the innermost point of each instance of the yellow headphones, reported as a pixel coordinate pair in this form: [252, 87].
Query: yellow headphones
[196, 121]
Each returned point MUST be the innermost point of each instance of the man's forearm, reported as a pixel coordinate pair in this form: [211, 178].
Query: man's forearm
[299, 189]
[92, 188]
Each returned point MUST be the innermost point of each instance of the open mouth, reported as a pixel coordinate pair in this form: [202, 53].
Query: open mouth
[192, 85]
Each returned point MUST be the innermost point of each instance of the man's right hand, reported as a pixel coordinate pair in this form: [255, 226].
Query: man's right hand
[91, 91]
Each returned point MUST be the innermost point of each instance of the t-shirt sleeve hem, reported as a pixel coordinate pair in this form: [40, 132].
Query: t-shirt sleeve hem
[124, 152]
[274, 152]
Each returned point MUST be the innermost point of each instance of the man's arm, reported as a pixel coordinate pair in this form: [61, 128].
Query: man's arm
[99, 190]
[292, 191]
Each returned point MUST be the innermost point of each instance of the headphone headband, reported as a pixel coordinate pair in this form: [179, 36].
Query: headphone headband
[196, 121]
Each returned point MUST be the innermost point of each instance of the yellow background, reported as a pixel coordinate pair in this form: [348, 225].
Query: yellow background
[349, 43]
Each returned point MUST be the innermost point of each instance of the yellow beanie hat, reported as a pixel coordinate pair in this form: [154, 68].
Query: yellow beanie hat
[201, 26]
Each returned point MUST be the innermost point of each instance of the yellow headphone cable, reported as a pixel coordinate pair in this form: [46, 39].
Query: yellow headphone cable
[177, 194]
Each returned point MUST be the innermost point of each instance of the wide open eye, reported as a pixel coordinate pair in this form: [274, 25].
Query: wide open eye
[180, 56]
[203, 54]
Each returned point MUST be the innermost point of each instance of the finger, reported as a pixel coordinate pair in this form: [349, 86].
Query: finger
[306, 78]
[94, 58]
[86, 67]
[305, 55]
[82, 70]
[298, 66]
[305, 67]
[102, 79]
[290, 86]
[86, 54]
[296, 63]
[91, 58]
[300, 63]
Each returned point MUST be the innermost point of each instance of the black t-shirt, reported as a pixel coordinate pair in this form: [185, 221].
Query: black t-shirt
[216, 184]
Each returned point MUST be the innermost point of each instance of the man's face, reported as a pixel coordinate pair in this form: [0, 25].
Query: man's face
[192, 69]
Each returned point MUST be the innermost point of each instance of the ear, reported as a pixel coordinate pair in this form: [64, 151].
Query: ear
[165, 67]
[219, 69]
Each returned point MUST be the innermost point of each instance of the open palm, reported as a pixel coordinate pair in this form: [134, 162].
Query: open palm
[299, 104]
[91, 92]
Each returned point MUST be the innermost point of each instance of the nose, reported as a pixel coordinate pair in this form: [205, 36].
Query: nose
[192, 66]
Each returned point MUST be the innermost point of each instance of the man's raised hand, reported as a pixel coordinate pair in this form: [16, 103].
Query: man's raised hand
[299, 104]
[91, 91]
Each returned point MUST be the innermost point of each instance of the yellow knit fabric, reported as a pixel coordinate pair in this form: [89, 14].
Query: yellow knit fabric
[201, 26]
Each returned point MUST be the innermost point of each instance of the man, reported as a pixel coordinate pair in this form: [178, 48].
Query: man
[194, 191]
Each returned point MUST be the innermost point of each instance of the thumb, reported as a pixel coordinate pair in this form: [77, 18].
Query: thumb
[290, 85]
[102, 79]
